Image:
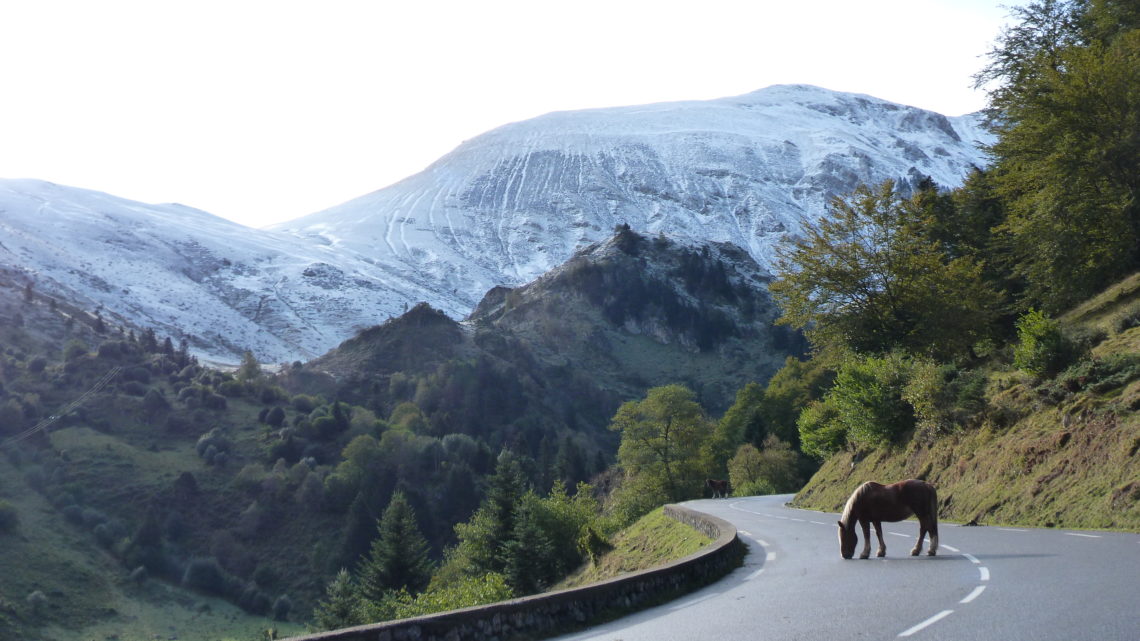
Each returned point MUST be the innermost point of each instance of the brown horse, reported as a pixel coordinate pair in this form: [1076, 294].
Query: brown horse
[874, 503]
[719, 488]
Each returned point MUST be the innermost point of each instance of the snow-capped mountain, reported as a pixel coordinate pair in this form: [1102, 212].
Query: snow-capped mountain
[501, 209]
[184, 272]
[517, 201]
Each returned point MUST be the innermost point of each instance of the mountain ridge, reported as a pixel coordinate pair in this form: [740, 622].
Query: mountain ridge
[499, 210]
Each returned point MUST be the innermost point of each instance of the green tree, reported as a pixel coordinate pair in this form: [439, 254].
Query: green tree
[528, 554]
[742, 422]
[1065, 104]
[821, 432]
[764, 471]
[789, 391]
[661, 440]
[868, 399]
[250, 369]
[746, 473]
[399, 555]
[341, 606]
[867, 278]
[483, 537]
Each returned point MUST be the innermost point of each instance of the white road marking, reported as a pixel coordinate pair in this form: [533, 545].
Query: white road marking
[898, 534]
[1087, 536]
[973, 559]
[754, 574]
[932, 620]
[745, 532]
[771, 556]
[1011, 529]
[820, 523]
[973, 595]
[792, 518]
[695, 601]
[985, 572]
[762, 542]
[950, 547]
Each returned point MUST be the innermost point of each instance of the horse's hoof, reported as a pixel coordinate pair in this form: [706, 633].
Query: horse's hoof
[932, 553]
[914, 552]
[864, 556]
[881, 554]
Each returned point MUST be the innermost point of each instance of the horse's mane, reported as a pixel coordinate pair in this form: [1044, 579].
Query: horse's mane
[851, 500]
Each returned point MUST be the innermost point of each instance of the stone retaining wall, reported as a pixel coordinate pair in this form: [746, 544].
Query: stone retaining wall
[553, 613]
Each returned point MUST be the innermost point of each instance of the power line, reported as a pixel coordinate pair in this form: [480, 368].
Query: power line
[47, 422]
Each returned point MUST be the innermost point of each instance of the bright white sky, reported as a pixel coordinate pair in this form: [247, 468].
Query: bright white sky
[265, 110]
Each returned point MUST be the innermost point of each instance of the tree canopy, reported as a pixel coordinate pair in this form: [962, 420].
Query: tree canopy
[1065, 104]
[662, 437]
[868, 278]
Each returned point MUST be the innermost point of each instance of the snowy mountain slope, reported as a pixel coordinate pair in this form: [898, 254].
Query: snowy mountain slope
[517, 201]
[185, 272]
[501, 209]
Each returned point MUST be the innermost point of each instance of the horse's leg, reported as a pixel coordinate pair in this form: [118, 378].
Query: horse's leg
[922, 527]
[882, 544]
[866, 539]
[933, 528]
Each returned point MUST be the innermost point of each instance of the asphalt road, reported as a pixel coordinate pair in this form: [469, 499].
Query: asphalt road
[987, 583]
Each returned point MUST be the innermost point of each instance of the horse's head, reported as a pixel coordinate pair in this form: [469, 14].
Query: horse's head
[847, 540]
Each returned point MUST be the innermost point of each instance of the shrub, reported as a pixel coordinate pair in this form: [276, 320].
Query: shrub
[9, 517]
[139, 574]
[134, 388]
[190, 392]
[92, 517]
[206, 575]
[37, 601]
[821, 432]
[232, 389]
[1100, 374]
[1042, 349]
[304, 403]
[281, 608]
[868, 397]
[155, 402]
[37, 365]
[214, 401]
[212, 439]
[73, 513]
[74, 350]
[768, 471]
[275, 417]
[109, 350]
[756, 487]
[253, 600]
[1127, 319]
[104, 536]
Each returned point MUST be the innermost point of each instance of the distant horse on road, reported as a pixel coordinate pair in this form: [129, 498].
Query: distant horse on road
[874, 503]
[719, 488]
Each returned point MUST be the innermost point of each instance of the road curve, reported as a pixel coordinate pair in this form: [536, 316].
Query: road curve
[987, 583]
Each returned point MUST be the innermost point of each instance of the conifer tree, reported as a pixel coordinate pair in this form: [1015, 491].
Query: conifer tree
[399, 556]
[528, 553]
[341, 605]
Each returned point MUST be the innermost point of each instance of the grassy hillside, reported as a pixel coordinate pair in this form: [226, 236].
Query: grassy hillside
[1061, 452]
[653, 540]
